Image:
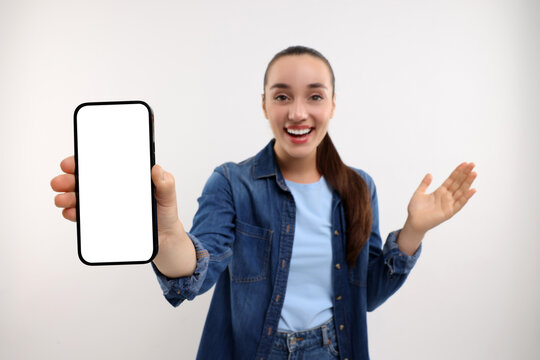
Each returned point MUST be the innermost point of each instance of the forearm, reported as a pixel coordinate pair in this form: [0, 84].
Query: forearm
[409, 239]
[176, 256]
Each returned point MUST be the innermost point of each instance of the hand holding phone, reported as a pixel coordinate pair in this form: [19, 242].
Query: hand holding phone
[176, 255]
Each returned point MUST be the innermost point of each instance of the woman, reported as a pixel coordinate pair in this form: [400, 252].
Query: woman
[290, 236]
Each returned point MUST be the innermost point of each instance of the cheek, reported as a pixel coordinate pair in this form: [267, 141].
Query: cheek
[275, 116]
[322, 116]
[321, 110]
[275, 124]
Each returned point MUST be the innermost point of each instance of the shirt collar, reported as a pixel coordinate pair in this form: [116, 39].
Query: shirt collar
[265, 165]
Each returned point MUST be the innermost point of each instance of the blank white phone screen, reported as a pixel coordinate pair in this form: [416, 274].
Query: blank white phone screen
[114, 177]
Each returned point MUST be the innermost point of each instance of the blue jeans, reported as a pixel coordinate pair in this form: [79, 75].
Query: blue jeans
[317, 343]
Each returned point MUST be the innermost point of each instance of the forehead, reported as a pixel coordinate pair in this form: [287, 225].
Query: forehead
[299, 71]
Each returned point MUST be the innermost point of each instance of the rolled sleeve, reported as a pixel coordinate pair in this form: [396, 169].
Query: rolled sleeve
[176, 290]
[397, 261]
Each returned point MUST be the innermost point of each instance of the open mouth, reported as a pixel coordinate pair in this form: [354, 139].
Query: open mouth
[298, 133]
[299, 136]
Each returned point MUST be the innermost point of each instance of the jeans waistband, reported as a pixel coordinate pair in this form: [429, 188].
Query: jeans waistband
[322, 335]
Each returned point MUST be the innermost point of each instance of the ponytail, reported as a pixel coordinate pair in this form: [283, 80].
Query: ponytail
[354, 194]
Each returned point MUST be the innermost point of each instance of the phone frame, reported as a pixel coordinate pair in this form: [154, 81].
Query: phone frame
[152, 189]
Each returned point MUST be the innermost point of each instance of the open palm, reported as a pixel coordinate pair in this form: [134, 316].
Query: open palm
[429, 210]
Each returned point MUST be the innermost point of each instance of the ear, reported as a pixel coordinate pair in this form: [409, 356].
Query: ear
[264, 106]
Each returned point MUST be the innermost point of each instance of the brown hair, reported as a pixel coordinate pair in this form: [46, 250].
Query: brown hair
[350, 186]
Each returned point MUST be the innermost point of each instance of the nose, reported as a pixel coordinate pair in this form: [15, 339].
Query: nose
[297, 111]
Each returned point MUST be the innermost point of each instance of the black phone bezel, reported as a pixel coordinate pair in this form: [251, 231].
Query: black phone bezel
[152, 162]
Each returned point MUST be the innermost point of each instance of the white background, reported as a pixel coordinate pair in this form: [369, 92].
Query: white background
[421, 86]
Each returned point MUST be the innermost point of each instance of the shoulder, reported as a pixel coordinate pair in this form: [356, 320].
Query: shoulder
[228, 174]
[231, 169]
[367, 178]
[364, 174]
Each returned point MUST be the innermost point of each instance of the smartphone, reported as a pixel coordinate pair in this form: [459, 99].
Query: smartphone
[116, 206]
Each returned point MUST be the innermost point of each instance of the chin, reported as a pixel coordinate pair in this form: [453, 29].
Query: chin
[300, 153]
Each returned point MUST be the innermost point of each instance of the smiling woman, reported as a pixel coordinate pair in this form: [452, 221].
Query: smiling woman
[298, 95]
[289, 237]
[301, 99]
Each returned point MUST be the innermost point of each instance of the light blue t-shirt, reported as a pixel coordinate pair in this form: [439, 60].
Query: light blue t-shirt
[308, 298]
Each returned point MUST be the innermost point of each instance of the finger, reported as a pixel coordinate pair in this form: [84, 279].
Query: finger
[466, 184]
[460, 176]
[63, 183]
[70, 214]
[68, 165]
[450, 180]
[165, 186]
[66, 200]
[426, 181]
[462, 200]
[464, 188]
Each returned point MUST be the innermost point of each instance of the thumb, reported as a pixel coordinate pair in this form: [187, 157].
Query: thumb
[426, 181]
[165, 188]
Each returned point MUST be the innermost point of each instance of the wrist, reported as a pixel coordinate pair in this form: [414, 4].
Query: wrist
[174, 236]
[413, 231]
[176, 256]
[409, 238]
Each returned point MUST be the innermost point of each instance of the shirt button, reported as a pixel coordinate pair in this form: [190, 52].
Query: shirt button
[339, 297]
[338, 266]
[336, 232]
[341, 327]
[178, 292]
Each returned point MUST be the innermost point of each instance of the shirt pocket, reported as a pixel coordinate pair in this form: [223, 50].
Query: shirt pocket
[251, 253]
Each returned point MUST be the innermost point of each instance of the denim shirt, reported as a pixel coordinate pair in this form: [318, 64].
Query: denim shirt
[243, 233]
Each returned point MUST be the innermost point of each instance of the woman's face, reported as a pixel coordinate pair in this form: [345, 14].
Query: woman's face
[298, 104]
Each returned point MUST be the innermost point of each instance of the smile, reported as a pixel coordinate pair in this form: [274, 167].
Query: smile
[298, 132]
[298, 136]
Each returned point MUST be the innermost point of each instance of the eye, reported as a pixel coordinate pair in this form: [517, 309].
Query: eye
[317, 97]
[280, 97]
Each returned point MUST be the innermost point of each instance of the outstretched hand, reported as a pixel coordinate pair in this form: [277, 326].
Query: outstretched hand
[429, 210]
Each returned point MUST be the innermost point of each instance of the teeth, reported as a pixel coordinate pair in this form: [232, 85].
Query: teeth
[299, 132]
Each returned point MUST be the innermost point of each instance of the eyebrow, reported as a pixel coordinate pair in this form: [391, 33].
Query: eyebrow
[285, 86]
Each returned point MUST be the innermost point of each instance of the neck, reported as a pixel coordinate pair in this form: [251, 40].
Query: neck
[300, 170]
